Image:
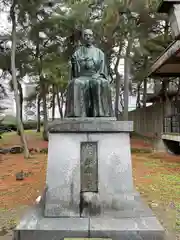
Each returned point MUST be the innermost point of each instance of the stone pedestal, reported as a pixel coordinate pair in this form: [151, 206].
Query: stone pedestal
[122, 214]
[115, 185]
[113, 225]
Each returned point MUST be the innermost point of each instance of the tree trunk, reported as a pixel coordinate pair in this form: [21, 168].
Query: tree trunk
[20, 91]
[43, 95]
[45, 120]
[144, 92]
[39, 72]
[38, 113]
[165, 84]
[138, 103]
[126, 79]
[53, 102]
[178, 91]
[121, 101]
[144, 80]
[59, 104]
[14, 80]
[118, 84]
[21, 100]
[126, 88]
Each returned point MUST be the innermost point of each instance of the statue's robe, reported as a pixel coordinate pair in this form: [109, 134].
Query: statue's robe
[88, 93]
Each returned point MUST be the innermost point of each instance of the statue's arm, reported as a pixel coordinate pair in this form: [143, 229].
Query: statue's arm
[74, 67]
[103, 66]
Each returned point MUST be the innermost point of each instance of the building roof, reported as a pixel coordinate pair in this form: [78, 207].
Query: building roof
[154, 97]
[165, 5]
[168, 63]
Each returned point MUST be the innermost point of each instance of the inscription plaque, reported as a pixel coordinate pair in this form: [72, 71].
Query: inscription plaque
[87, 238]
[89, 167]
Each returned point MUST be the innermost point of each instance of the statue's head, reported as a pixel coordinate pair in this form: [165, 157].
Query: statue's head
[87, 36]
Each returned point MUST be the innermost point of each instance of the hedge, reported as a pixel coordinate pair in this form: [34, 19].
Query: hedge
[8, 127]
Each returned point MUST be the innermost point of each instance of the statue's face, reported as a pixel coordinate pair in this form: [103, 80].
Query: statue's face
[88, 37]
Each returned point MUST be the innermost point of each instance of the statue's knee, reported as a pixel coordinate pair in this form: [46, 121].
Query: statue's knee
[95, 82]
[104, 83]
[78, 82]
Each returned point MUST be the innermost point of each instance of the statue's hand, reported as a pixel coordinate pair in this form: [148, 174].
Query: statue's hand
[95, 76]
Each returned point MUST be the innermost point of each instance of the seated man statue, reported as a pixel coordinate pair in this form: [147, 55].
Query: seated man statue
[88, 93]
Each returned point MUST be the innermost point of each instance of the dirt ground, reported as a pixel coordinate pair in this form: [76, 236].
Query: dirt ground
[156, 177]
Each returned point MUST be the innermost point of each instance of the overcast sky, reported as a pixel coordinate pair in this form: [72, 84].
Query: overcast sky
[5, 26]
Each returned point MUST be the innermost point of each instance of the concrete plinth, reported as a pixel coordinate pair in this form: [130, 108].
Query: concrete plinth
[115, 184]
[113, 225]
[121, 214]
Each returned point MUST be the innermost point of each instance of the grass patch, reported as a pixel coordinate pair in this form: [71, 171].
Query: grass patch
[174, 179]
[138, 136]
[8, 137]
[137, 150]
[160, 186]
[152, 164]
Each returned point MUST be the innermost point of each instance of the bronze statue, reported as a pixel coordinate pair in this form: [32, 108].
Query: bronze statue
[88, 93]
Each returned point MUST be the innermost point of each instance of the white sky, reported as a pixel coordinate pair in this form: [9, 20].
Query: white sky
[5, 26]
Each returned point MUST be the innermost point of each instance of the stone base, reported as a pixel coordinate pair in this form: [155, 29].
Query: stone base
[34, 226]
[63, 179]
[123, 215]
[92, 125]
